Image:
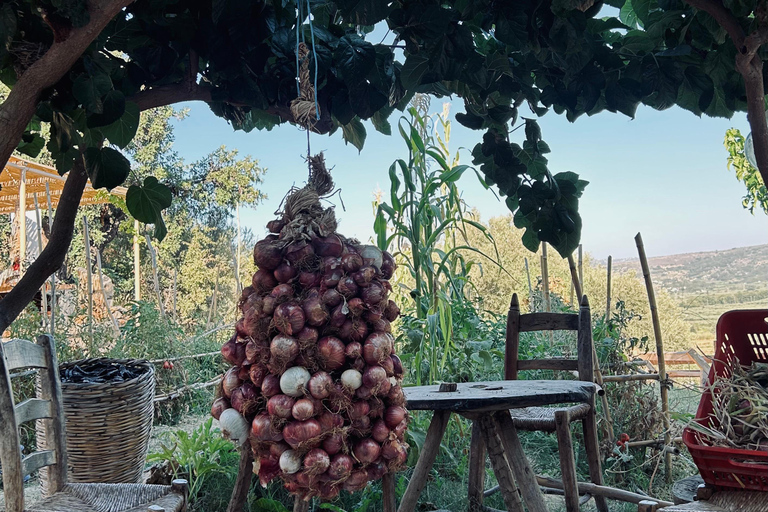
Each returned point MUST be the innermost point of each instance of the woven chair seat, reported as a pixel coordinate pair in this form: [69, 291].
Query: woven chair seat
[543, 418]
[110, 498]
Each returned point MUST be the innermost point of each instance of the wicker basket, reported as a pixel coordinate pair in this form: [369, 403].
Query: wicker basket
[108, 424]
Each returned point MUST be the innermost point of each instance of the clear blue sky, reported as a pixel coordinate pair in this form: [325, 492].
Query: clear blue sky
[663, 174]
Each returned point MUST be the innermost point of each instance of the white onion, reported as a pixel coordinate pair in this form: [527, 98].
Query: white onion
[293, 381]
[233, 426]
[352, 379]
[290, 462]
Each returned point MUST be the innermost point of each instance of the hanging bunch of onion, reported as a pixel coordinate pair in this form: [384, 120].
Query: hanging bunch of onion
[315, 376]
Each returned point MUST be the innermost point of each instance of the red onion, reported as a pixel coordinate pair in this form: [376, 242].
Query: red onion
[256, 351]
[388, 265]
[268, 305]
[362, 425]
[328, 246]
[219, 405]
[316, 461]
[330, 353]
[373, 315]
[353, 330]
[307, 336]
[242, 397]
[309, 280]
[282, 292]
[377, 408]
[299, 253]
[329, 491]
[283, 349]
[331, 297]
[358, 410]
[331, 278]
[356, 481]
[240, 330]
[280, 406]
[341, 466]
[358, 364]
[334, 443]
[364, 276]
[367, 450]
[399, 430]
[320, 385]
[314, 311]
[233, 351]
[373, 294]
[364, 393]
[389, 366]
[382, 325]
[393, 449]
[380, 431]
[338, 317]
[396, 396]
[277, 449]
[330, 421]
[353, 350]
[263, 281]
[244, 373]
[394, 415]
[351, 262]
[247, 291]
[276, 225]
[397, 365]
[296, 433]
[347, 287]
[356, 306]
[231, 381]
[270, 386]
[289, 318]
[261, 429]
[391, 312]
[267, 255]
[377, 470]
[377, 348]
[303, 409]
[269, 468]
[330, 264]
[285, 272]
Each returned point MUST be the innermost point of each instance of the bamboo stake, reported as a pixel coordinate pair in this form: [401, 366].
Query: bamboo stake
[581, 270]
[23, 220]
[87, 240]
[659, 352]
[43, 297]
[175, 278]
[153, 259]
[572, 290]
[213, 298]
[107, 304]
[608, 292]
[528, 273]
[53, 276]
[136, 263]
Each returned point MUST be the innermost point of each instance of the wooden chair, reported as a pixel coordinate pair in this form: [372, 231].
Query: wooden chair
[558, 419]
[48, 408]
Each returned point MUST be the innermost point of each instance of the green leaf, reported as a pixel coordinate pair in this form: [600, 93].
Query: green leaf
[106, 167]
[121, 132]
[627, 15]
[364, 12]
[355, 57]
[380, 122]
[269, 505]
[414, 69]
[380, 228]
[89, 90]
[531, 240]
[354, 133]
[113, 107]
[146, 203]
[454, 174]
[31, 144]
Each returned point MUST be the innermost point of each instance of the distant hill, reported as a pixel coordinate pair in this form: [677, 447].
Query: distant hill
[707, 284]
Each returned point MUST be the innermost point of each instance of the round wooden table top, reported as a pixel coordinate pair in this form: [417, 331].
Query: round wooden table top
[498, 395]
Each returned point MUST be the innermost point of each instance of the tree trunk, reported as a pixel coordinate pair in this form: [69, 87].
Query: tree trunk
[52, 257]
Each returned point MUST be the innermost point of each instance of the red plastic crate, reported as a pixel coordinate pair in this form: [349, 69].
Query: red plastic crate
[741, 335]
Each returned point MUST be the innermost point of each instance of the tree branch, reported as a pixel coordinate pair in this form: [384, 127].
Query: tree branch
[184, 91]
[52, 257]
[723, 17]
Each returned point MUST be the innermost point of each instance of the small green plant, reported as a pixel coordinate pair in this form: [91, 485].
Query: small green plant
[200, 457]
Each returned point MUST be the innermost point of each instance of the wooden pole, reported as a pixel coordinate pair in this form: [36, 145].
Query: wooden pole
[175, 284]
[600, 490]
[23, 220]
[43, 297]
[545, 277]
[53, 276]
[243, 480]
[213, 298]
[237, 255]
[581, 270]
[659, 352]
[107, 304]
[136, 263]
[153, 259]
[608, 292]
[528, 273]
[575, 281]
[89, 284]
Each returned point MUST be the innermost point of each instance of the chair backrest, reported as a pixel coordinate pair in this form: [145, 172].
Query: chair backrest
[47, 407]
[517, 323]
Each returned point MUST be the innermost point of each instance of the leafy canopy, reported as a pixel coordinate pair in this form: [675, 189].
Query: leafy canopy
[498, 56]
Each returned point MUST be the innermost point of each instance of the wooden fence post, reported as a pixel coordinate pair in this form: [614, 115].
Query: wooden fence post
[136, 263]
[53, 276]
[43, 297]
[659, 352]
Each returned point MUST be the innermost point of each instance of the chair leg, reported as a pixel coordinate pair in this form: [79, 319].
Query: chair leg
[592, 447]
[476, 469]
[567, 461]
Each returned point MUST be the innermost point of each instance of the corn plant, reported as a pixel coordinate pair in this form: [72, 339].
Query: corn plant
[425, 225]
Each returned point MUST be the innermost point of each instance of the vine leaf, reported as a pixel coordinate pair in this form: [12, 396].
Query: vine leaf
[146, 203]
[106, 167]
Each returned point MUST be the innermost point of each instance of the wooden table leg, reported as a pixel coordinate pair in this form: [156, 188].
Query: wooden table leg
[426, 459]
[243, 481]
[501, 468]
[388, 493]
[525, 476]
[300, 505]
[476, 469]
